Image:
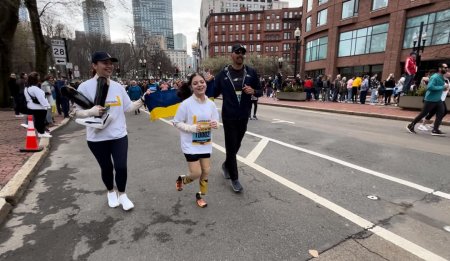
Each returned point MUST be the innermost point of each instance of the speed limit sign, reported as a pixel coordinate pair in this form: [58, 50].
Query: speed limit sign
[58, 49]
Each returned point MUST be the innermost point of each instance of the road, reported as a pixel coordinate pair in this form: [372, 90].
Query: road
[350, 187]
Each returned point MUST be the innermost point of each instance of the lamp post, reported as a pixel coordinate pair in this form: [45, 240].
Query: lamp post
[159, 70]
[297, 39]
[143, 64]
[419, 43]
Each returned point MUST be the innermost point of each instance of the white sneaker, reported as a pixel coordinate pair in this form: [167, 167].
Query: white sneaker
[19, 116]
[24, 125]
[423, 127]
[125, 202]
[95, 122]
[44, 135]
[113, 200]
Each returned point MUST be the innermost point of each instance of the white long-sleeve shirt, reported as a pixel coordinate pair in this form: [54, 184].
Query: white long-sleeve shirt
[40, 95]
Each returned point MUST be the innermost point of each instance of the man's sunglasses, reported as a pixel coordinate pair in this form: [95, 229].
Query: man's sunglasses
[239, 52]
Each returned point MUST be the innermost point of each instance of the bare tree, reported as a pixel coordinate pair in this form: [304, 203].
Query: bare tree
[9, 9]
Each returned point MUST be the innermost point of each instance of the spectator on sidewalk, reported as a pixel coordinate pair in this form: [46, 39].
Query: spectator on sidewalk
[336, 88]
[398, 89]
[308, 88]
[135, 93]
[62, 102]
[349, 89]
[436, 86]
[374, 84]
[343, 90]
[389, 86]
[364, 89]
[46, 86]
[410, 70]
[237, 83]
[37, 104]
[356, 84]
[14, 92]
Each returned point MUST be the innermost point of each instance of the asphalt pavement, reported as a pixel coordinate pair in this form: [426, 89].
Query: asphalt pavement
[23, 167]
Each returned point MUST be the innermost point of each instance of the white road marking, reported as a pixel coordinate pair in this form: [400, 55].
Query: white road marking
[359, 168]
[254, 154]
[365, 224]
[282, 121]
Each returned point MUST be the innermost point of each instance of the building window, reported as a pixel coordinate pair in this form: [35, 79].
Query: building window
[309, 4]
[215, 28]
[250, 27]
[231, 17]
[237, 28]
[377, 4]
[322, 17]
[216, 38]
[363, 41]
[243, 37]
[250, 37]
[258, 27]
[222, 48]
[231, 37]
[223, 18]
[267, 26]
[350, 9]
[251, 17]
[285, 15]
[231, 28]
[229, 48]
[308, 24]
[258, 48]
[322, 2]
[216, 49]
[223, 38]
[251, 48]
[277, 26]
[243, 17]
[268, 17]
[258, 16]
[258, 37]
[223, 28]
[215, 18]
[316, 49]
[243, 27]
[237, 37]
[436, 29]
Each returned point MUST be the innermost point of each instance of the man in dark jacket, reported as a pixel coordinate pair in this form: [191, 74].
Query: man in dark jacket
[14, 92]
[237, 83]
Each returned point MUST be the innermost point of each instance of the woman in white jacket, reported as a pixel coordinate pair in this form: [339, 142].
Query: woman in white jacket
[37, 104]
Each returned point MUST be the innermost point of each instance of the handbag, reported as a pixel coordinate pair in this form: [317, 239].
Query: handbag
[33, 99]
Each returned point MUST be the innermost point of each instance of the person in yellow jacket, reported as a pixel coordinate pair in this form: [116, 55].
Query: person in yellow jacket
[355, 85]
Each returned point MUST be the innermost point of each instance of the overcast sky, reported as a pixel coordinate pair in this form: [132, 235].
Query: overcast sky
[186, 20]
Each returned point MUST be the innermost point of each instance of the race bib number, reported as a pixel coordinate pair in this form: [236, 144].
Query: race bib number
[204, 135]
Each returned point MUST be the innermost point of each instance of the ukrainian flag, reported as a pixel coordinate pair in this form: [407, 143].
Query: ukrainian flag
[162, 104]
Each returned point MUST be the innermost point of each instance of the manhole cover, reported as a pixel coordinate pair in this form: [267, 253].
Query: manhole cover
[372, 197]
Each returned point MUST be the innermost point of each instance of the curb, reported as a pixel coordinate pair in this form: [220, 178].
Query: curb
[364, 114]
[12, 192]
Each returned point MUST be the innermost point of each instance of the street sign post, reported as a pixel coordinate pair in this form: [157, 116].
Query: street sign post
[59, 52]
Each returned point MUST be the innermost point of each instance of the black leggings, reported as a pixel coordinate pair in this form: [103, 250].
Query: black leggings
[39, 120]
[433, 112]
[118, 150]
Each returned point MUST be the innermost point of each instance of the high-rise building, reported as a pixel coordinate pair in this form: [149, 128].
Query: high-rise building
[153, 17]
[180, 42]
[226, 6]
[95, 18]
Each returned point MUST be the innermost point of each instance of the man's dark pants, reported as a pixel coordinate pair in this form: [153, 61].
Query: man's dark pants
[407, 84]
[234, 133]
[65, 106]
[362, 97]
[427, 108]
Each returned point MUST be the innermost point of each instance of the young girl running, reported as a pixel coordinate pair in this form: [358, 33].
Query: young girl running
[195, 118]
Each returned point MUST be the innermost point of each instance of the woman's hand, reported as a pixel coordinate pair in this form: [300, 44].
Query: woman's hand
[213, 124]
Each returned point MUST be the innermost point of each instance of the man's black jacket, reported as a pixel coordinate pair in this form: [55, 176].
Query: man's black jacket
[232, 109]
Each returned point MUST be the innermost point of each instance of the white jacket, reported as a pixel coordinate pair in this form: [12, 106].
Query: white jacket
[40, 95]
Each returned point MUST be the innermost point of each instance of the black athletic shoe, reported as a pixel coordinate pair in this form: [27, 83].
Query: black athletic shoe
[236, 185]
[225, 172]
[410, 128]
[437, 133]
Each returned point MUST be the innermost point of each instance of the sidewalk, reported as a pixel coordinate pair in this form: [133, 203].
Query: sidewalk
[377, 111]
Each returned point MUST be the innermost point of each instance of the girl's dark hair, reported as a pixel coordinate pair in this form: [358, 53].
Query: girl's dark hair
[185, 90]
[33, 79]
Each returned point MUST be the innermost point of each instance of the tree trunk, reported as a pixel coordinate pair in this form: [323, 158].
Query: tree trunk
[9, 9]
[42, 48]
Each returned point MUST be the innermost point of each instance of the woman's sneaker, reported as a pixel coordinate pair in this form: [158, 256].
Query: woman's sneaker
[423, 127]
[125, 202]
[200, 201]
[113, 201]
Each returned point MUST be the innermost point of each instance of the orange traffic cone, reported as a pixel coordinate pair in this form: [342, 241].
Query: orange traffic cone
[31, 142]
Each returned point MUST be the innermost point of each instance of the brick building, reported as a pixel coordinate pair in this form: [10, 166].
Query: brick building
[264, 32]
[372, 36]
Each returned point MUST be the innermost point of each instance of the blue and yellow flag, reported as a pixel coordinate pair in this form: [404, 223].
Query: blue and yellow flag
[162, 104]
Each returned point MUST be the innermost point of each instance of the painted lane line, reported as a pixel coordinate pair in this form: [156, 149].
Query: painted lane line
[359, 168]
[282, 121]
[365, 224]
[254, 154]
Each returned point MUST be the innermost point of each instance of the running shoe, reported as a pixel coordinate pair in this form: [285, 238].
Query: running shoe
[437, 133]
[179, 183]
[410, 128]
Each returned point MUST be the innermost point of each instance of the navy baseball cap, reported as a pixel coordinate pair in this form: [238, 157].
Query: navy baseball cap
[102, 56]
[238, 47]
